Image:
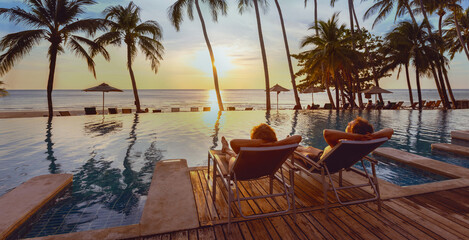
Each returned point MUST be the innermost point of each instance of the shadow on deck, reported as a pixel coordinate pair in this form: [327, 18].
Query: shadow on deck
[438, 215]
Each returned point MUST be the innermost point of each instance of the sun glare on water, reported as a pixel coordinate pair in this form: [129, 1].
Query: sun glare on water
[223, 61]
[212, 99]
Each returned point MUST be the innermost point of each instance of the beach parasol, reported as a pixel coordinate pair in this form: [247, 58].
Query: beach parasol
[277, 88]
[312, 90]
[375, 90]
[103, 87]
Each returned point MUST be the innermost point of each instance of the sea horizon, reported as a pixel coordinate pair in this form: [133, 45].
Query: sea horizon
[165, 99]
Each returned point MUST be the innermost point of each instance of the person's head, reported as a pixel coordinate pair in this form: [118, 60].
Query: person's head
[369, 101]
[359, 126]
[264, 132]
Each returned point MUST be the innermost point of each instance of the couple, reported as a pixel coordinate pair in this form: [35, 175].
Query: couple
[263, 135]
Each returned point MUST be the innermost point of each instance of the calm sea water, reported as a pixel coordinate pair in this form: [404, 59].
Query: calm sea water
[112, 158]
[31, 100]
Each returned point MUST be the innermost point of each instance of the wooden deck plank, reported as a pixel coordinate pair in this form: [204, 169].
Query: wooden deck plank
[441, 215]
[208, 196]
[193, 234]
[182, 235]
[203, 212]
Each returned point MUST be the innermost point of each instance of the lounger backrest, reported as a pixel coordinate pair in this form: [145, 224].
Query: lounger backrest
[90, 111]
[347, 153]
[256, 162]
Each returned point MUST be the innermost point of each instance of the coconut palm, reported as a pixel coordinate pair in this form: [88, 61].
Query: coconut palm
[126, 26]
[287, 49]
[242, 5]
[397, 49]
[175, 13]
[457, 34]
[332, 54]
[57, 22]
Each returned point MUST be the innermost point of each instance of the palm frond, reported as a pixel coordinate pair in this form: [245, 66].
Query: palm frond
[89, 26]
[18, 15]
[94, 47]
[17, 45]
[150, 27]
[81, 52]
[114, 38]
[153, 51]
[175, 12]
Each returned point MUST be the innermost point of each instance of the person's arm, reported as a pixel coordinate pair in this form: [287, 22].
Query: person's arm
[387, 132]
[333, 137]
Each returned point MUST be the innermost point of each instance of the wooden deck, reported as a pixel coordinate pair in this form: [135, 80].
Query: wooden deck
[438, 215]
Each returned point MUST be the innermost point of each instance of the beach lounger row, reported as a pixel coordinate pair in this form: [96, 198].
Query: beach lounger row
[93, 111]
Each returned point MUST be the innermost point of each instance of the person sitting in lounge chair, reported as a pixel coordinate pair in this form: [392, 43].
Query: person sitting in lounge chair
[359, 130]
[261, 135]
[369, 105]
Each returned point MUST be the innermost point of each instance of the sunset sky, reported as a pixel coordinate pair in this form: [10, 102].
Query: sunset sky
[186, 63]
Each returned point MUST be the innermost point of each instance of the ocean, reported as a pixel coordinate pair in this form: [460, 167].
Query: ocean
[36, 100]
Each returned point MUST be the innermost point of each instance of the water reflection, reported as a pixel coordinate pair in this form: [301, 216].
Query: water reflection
[103, 194]
[53, 167]
[216, 129]
[103, 127]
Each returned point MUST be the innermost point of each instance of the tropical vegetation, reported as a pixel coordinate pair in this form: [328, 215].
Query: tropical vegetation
[125, 26]
[3, 92]
[57, 22]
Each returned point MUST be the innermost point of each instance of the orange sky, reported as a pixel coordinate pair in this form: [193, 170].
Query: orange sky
[186, 62]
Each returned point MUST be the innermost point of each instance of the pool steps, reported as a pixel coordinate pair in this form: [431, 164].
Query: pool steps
[21, 203]
[459, 143]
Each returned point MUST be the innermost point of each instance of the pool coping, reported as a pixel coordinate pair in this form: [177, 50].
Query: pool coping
[24, 201]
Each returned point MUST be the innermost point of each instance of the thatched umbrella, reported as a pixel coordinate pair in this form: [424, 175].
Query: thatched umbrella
[312, 90]
[375, 90]
[277, 88]
[103, 87]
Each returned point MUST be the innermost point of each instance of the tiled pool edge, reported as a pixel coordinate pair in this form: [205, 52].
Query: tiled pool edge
[155, 218]
[20, 204]
[459, 175]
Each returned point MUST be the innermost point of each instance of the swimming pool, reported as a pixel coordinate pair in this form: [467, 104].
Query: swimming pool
[112, 159]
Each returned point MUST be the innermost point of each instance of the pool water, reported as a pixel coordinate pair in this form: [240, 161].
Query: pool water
[112, 158]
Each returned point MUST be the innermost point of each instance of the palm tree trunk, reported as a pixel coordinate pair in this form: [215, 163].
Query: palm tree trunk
[337, 99]
[328, 90]
[411, 13]
[458, 30]
[287, 49]
[440, 29]
[212, 58]
[264, 57]
[411, 98]
[419, 90]
[50, 81]
[450, 90]
[316, 17]
[132, 79]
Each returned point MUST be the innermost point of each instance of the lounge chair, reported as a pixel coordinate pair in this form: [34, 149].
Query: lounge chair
[342, 157]
[156, 110]
[346, 105]
[112, 110]
[126, 110]
[90, 111]
[64, 113]
[327, 106]
[194, 109]
[437, 104]
[231, 108]
[206, 109]
[248, 109]
[253, 163]
[429, 105]
[174, 109]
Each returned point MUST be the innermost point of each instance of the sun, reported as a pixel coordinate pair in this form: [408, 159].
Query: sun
[223, 61]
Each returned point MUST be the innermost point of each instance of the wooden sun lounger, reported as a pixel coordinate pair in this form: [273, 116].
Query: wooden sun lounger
[194, 109]
[126, 110]
[206, 109]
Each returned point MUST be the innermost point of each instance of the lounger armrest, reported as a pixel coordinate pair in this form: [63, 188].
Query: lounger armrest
[306, 159]
[290, 165]
[372, 160]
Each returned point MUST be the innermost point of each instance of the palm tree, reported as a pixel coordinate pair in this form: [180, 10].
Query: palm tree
[242, 4]
[287, 49]
[332, 54]
[397, 49]
[385, 7]
[57, 22]
[457, 39]
[175, 13]
[125, 26]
